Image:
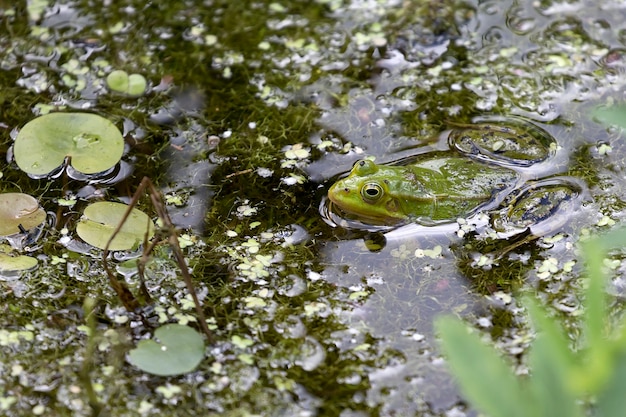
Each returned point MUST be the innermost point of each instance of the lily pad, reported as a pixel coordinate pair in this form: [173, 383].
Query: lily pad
[16, 263]
[92, 143]
[179, 350]
[19, 209]
[131, 85]
[100, 220]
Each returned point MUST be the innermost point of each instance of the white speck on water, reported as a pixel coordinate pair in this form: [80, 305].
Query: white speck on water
[484, 322]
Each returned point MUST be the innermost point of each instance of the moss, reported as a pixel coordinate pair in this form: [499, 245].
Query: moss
[293, 92]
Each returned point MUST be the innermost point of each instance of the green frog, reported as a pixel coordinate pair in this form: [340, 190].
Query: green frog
[430, 191]
[480, 172]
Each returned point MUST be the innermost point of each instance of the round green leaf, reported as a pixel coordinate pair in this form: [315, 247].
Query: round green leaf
[19, 209]
[178, 350]
[100, 220]
[16, 263]
[93, 143]
[121, 82]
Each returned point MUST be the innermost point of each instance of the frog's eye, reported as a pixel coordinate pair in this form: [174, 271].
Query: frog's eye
[364, 167]
[371, 192]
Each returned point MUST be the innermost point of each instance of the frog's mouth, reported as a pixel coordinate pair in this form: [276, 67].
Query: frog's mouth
[353, 210]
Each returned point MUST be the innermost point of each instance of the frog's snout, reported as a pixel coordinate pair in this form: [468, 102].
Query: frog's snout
[336, 190]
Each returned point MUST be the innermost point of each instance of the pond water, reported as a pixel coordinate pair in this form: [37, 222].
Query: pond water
[252, 110]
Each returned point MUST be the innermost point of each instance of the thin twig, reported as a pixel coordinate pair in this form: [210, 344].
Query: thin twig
[129, 301]
[155, 196]
[126, 296]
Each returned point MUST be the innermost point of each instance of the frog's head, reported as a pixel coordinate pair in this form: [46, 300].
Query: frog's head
[365, 194]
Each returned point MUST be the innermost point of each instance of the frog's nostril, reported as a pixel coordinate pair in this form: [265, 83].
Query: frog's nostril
[347, 190]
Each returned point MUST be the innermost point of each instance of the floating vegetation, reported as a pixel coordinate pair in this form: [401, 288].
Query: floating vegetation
[10, 264]
[19, 213]
[240, 112]
[100, 220]
[91, 143]
[175, 350]
[132, 85]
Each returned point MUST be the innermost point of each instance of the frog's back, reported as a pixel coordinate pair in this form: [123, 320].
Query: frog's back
[445, 188]
[463, 177]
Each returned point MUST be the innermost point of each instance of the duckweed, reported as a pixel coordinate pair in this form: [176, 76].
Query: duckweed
[272, 100]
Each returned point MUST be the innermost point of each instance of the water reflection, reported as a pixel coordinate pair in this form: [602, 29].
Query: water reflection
[466, 266]
[407, 292]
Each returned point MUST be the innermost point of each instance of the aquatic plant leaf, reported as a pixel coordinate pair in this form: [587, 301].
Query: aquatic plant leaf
[485, 379]
[19, 209]
[554, 344]
[179, 350]
[16, 263]
[100, 220]
[92, 143]
[549, 382]
[121, 82]
[612, 402]
[559, 376]
[600, 353]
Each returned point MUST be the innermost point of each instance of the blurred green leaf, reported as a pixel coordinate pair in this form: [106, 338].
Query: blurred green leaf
[560, 379]
[554, 343]
[611, 402]
[549, 380]
[485, 379]
[600, 350]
